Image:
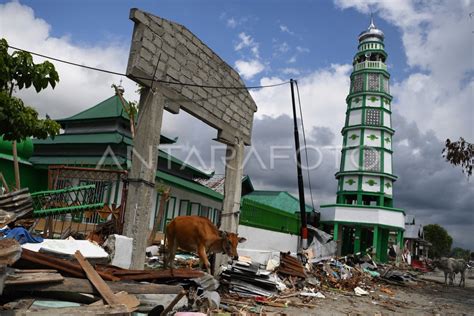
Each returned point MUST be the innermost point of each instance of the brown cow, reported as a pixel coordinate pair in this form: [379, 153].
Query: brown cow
[198, 234]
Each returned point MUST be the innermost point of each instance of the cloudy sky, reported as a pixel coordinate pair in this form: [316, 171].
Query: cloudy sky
[430, 47]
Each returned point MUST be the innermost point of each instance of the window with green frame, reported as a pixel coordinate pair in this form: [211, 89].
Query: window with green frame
[204, 212]
[195, 208]
[157, 207]
[169, 212]
[216, 219]
[183, 207]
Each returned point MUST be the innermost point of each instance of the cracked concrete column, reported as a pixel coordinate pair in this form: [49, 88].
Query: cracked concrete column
[142, 175]
[232, 193]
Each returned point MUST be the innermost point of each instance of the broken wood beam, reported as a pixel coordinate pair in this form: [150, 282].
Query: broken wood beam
[119, 309]
[84, 286]
[164, 275]
[66, 266]
[96, 280]
[33, 278]
[173, 303]
[112, 299]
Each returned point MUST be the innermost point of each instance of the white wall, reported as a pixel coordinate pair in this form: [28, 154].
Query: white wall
[262, 245]
[363, 215]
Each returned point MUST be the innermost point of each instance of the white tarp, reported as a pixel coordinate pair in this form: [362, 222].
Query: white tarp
[68, 247]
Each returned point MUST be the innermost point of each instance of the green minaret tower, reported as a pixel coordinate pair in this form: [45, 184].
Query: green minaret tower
[364, 216]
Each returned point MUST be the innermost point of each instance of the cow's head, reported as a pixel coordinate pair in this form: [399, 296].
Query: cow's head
[229, 244]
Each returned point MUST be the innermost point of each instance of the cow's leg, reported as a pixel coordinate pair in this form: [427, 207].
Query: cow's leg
[171, 253]
[445, 277]
[463, 280]
[203, 258]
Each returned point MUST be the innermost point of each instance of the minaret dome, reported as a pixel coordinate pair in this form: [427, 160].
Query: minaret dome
[372, 33]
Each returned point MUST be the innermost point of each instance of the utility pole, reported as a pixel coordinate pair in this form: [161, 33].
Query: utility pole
[304, 228]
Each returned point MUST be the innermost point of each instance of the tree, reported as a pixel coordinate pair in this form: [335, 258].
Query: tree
[460, 253]
[440, 240]
[460, 153]
[18, 121]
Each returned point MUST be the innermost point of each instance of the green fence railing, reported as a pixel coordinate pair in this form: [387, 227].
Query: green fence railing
[72, 200]
[259, 215]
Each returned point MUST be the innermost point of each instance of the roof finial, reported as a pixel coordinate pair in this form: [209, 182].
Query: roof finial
[372, 25]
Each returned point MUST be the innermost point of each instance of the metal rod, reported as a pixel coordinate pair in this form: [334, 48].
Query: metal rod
[304, 229]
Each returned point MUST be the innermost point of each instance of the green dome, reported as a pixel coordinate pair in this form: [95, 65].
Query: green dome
[24, 148]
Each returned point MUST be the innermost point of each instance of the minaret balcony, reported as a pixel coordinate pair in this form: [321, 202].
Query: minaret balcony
[370, 65]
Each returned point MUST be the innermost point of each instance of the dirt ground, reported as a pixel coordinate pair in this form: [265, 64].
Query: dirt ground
[425, 298]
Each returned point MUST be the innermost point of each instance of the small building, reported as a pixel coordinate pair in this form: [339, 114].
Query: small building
[413, 239]
[100, 137]
[271, 220]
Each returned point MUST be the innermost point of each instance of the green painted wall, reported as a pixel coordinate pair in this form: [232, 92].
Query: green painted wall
[35, 179]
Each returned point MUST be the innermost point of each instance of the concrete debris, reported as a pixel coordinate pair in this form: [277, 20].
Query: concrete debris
[359, 292]
[120, 250]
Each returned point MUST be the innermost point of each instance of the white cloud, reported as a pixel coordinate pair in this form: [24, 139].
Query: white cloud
[322, 97]
[246, 41]
[290, 71]
[232, 23]
[78, 88]
[282, 47]
[248, 69]
[285, 29]
[292, 59]
[300, 49]
[437, 38]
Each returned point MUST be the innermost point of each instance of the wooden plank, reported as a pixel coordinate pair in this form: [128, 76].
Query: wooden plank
[84, 286]
[96, 280]
[163, 275]
[10, 251]
[131, 301]
[35, 270]
[173, 303]
[33, 278]
[118, 309]
[19, 304]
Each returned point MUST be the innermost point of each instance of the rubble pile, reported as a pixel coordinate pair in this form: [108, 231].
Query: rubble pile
[249, 280]
[94, 276]
[68, 276]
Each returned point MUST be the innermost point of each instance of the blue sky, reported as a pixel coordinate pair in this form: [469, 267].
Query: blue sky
[430, 47]
[311, 25]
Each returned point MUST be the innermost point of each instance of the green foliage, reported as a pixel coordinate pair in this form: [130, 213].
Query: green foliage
[18, 71]
[460, 153]
[18, 122]
[460, 253]
[439, 238]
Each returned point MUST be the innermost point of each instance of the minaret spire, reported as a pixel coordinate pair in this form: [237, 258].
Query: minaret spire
[372, 24]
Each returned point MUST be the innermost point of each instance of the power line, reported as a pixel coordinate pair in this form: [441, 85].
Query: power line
[305, 147]
[144, 78]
